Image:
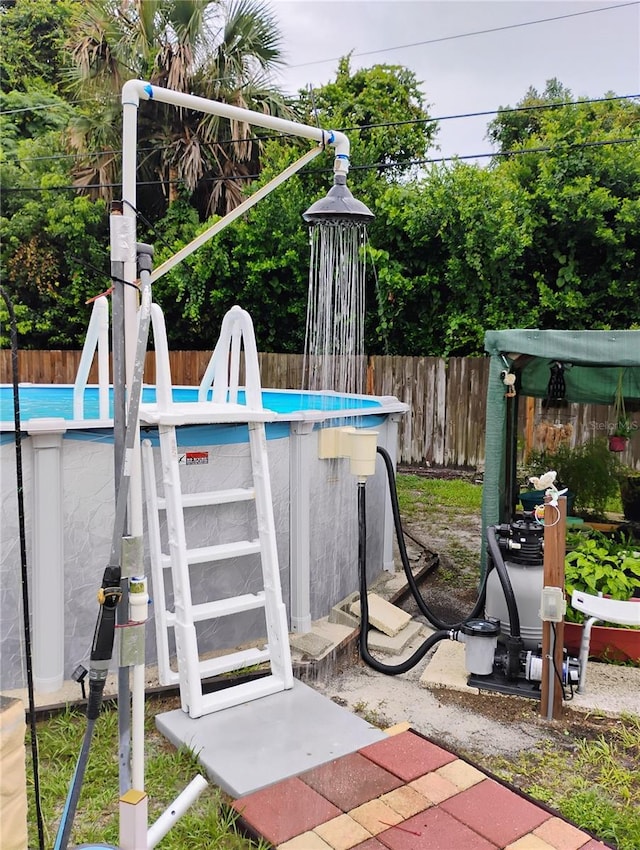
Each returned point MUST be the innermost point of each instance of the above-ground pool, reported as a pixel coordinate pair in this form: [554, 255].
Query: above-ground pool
[68, 487]
[56, 400]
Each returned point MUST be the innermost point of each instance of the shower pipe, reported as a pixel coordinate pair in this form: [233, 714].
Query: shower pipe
[123, 235]
[123, 240]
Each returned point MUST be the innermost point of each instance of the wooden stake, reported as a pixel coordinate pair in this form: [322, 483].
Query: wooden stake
[528, 426]
[555, 530]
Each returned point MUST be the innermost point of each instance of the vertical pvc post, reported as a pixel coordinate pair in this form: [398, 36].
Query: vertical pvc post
[391, 445]
[121, 239]
[129, 162]
[124, 266]
[300, 461]
[133, 820]
[48, 554]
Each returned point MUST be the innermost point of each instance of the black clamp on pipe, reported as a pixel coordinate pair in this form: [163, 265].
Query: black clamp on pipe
[109, 596]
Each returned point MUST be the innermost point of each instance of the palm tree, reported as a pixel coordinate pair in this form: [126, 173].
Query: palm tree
[222, 51]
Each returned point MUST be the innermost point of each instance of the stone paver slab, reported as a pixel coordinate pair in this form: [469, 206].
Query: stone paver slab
[342, 833]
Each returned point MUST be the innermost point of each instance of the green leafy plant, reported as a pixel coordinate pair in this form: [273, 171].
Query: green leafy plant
[601, 564]
[623, 427]
[590, 471]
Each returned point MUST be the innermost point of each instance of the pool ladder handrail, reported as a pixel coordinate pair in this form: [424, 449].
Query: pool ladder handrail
[97, 338]
[222, 374]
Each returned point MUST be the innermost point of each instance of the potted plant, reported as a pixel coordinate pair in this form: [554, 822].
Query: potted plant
[619, 437]
[599, 564]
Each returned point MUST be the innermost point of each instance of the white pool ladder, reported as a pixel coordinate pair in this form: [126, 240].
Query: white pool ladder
[224, 372]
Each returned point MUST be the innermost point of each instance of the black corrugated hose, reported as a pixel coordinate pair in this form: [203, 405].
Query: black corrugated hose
[432, 640]
[431, 616]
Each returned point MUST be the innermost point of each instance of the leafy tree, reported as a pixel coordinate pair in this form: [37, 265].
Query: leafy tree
[262, 261]
[514, 128]
[584, 198]
[46, 245]
[32, 38]
[219, 51]
[383, 112]
[451, 263]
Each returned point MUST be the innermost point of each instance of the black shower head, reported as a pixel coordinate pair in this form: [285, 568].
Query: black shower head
[338, 206]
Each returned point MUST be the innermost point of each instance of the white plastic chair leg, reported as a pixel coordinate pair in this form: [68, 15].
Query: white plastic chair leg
[584, 651]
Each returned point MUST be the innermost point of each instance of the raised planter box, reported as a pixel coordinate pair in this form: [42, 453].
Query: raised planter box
[607, 643]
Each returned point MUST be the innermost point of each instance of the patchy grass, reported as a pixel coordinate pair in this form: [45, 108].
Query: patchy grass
[374, 716]
[208, 823]
[595, 783]
[417, 494]
[443, 513]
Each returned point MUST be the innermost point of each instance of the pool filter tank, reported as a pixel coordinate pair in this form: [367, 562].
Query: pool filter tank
[513, 599]
[521, 545]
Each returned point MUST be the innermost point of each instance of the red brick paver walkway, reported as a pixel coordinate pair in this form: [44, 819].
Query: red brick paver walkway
[403, 793]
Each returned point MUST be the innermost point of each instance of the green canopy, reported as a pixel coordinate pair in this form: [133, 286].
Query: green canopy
[591, 365]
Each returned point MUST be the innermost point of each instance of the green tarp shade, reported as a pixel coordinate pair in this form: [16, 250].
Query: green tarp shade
[592, 361]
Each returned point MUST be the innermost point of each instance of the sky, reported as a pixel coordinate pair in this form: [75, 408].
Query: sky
[463, 70]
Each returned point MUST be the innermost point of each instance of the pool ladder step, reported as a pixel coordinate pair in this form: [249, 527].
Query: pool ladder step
[219, 552]
[176, 563]
[215, 497]
[172, 559]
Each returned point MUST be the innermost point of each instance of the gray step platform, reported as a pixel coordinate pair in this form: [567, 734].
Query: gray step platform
[258, 743]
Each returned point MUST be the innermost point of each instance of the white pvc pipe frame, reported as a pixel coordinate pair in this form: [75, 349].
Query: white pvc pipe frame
[132, 93]
[123, 243]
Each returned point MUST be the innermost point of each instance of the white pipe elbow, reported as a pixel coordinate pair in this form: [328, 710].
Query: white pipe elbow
[134, 90]
[340, 143]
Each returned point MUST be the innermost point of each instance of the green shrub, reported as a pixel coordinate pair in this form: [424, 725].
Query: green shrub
[601, 564]
[590, 471]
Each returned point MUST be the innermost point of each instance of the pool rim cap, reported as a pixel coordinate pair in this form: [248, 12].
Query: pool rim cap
[338, 206]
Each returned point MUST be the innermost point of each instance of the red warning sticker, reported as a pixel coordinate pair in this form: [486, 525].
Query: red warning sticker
[191, 458]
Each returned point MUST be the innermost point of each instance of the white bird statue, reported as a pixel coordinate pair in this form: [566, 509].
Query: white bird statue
[544, 481]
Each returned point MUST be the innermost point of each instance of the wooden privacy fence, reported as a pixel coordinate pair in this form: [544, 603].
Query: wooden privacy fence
[446, 398]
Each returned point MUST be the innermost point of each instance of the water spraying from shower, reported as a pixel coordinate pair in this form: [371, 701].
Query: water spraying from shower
[334, 337]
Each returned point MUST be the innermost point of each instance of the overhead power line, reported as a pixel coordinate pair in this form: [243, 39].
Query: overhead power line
[355, 129]
[444, 38]
[369, 167]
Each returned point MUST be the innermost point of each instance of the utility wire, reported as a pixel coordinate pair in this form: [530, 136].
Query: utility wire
[438, 40]
[369, 167]
[356, 129]
[24, 571]
[444, 38]
[57, 104]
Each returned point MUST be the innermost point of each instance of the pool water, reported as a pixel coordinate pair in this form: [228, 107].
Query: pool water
[48, 400]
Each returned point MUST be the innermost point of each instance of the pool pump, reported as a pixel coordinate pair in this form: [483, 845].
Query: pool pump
[489, 662]
[513, 598]
[503, 633]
